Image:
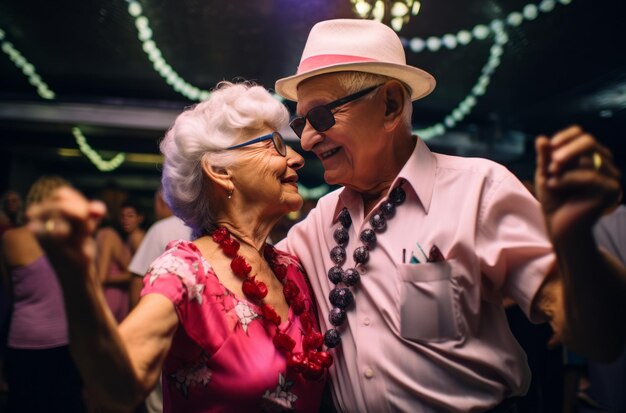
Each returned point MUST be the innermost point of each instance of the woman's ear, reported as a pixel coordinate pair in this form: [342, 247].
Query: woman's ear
[221, 177]
[394, 102]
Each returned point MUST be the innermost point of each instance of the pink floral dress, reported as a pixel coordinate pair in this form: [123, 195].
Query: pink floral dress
[222, 357]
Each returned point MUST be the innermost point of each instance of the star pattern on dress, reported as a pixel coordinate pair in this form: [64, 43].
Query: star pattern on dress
[281, 399]
[195, 293]
[246, 314]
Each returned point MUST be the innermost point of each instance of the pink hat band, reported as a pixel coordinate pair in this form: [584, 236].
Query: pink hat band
[319, 61]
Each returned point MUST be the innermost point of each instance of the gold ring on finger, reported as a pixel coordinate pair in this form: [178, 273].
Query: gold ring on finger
[597, 161]
[49, 225]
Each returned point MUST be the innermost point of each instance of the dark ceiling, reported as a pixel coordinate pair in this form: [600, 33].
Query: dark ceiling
[567, 65]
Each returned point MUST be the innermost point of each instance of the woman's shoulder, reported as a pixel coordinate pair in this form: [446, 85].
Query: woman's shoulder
[20, 246]
[135, 238]
[108, 234]
[181, 258]
[180, 266]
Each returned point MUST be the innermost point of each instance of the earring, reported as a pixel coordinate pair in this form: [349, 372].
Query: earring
[230, 194]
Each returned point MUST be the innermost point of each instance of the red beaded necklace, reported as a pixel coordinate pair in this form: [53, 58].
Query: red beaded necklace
[311, 362]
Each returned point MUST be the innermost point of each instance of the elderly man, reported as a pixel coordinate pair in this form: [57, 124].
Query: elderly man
[411, 259]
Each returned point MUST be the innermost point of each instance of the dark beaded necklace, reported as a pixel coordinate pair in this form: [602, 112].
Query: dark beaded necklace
[341, 297]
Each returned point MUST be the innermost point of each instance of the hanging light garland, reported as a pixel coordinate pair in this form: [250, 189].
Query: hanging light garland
[26, 68]
[482, 31]
[389, 12]
[159, 64]
[417, 45]
[93, 156]
[480, 87]
[45, 92]
[495, 28]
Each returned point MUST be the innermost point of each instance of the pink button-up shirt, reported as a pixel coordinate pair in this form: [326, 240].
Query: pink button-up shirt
[432, 337]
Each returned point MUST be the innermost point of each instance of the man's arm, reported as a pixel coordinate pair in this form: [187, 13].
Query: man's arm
[583, 296]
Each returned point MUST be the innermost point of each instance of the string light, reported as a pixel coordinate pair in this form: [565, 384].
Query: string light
[482, 31]
[399, 10]
[495, 28]
[27, 68]
[46, 93]
[93, 156]
[159, 64]
[479, 89]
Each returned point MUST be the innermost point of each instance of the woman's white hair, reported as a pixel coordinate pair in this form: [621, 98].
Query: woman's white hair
[200, 135]
[353, 82]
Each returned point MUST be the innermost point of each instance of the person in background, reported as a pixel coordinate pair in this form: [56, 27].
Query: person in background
[11, 214]
[131, 219]
[411, 259]
[226, 320]
[168, 227]
[40, 373]
[10, 217]
[607, 381]
[111, 263]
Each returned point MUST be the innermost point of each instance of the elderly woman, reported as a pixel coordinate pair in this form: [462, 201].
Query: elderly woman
[227, 318]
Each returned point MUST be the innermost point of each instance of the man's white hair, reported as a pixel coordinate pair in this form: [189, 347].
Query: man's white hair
[352, 82]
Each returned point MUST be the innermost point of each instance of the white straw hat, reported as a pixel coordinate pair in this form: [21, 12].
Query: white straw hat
[355, 45]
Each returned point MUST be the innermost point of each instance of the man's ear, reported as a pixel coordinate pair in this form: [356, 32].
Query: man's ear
[221, 177]
[394, 102]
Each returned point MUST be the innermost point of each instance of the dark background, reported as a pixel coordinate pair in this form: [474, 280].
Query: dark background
[565, 66]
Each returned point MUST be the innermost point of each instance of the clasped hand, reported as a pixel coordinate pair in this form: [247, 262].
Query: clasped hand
[576, 181]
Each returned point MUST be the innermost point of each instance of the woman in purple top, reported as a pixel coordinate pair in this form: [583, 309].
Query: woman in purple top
[227, 319]
[40, 373]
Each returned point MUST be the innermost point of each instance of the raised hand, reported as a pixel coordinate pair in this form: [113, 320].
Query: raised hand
[576, 181]
[64, 224]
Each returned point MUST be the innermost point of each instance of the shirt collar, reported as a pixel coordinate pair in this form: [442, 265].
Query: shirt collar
[418, 173]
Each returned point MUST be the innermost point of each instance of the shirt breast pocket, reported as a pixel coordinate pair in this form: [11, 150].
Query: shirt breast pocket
[428, 301]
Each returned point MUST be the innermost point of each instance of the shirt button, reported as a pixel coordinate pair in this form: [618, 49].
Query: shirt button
[368, 373]
[366, 321]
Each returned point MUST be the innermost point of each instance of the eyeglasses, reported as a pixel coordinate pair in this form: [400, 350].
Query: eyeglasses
[321, 118]
[277, 140]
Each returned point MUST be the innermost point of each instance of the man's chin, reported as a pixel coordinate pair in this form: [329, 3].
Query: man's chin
[331, 178]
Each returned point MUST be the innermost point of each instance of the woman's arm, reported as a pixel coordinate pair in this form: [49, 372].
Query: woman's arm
[119, 365]
[134, 240]
[110, 249]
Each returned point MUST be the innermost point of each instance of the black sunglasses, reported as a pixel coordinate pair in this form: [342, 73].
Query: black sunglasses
[277, 140]
[321, 118]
